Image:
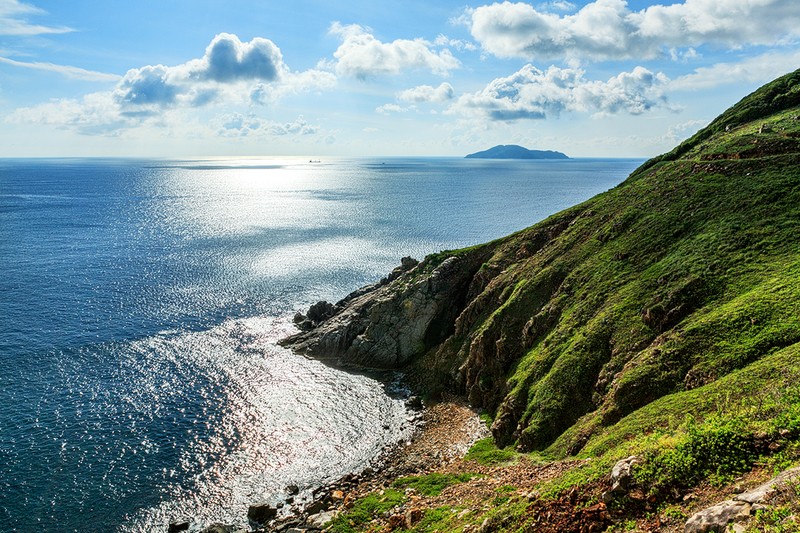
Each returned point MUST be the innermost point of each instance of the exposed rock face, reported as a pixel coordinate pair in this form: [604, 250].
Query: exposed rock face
[386, 324]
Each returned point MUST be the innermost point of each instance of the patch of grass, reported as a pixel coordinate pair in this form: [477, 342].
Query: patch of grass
[508, 516]
[366, 509]
[674, 513]
[438, 520]
[625, 525]
[486, 452]
[432, 484]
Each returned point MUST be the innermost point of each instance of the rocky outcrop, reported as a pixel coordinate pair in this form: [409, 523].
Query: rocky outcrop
[742, 506]
[387, 324]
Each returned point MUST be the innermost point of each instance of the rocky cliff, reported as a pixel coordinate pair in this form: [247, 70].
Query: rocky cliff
[685, 273]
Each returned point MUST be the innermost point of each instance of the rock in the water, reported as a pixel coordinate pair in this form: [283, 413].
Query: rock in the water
[414, 402]
[718, 517]
[178, 525]
[622, 474]
[292, 489]
[261, 513]
[317, 506]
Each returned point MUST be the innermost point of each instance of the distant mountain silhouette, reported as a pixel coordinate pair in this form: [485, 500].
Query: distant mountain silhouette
[512, 151]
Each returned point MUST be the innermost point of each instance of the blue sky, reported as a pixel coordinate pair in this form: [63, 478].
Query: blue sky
[180, 78]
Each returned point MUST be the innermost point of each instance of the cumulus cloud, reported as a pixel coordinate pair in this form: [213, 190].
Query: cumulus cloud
[531, 93]
[758, 69]
[230, 70]
[229, 59]
[609, 29]
[238, 125]
[14, 20]
[76, 73]
[426, 93]
[361, 55]
[226, 60]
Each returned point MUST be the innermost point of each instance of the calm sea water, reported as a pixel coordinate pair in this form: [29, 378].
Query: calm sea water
[140, 302]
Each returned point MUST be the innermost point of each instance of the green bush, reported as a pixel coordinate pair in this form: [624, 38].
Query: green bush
[717, 449]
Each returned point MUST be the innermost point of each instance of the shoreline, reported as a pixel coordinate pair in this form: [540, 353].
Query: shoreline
[444, 431]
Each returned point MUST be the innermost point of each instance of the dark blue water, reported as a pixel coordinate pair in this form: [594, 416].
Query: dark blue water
[140, 302]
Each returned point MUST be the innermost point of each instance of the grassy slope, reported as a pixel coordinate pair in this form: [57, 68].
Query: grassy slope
[686, 272]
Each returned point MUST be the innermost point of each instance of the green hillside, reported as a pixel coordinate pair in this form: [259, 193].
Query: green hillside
[653, 297]
[661, 319]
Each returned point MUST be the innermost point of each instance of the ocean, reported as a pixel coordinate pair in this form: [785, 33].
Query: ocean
[141, 302]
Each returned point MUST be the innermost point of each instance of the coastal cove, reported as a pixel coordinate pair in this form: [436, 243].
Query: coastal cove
[143, 300]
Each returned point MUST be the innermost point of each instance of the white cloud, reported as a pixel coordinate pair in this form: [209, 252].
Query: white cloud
[361, 55]
[608, 29]
[426, 93]
[94, 114]
[238, 125]
[226, 60]
[387, 109]
[758, 69]
[13, 20]
[557, 5]
[292, 83]
[230, 71]
[531, 93]
[458, 44]
[684, 130]
[70, 72]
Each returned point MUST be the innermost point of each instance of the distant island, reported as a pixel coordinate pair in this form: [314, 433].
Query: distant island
[513, 151]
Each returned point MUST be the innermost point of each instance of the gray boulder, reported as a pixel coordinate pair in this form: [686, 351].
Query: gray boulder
[622, 474]
[717, 517]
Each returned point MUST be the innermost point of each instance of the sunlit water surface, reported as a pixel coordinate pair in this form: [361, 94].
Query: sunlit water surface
[142, 300]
